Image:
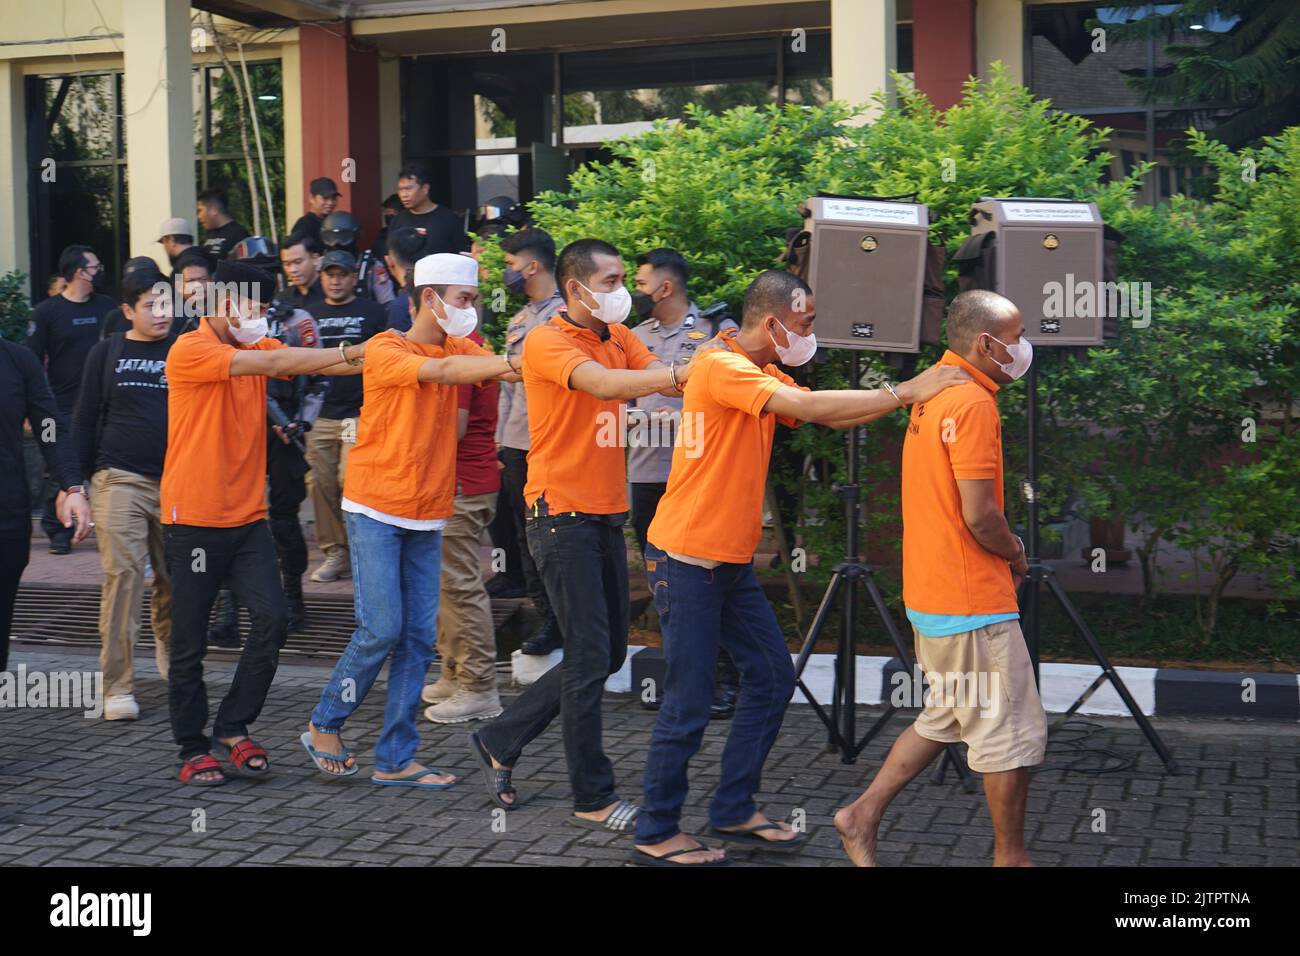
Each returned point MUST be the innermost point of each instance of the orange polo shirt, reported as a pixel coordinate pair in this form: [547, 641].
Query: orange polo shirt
[214, 475]
[568, 460]
[957, 435]
[713, 507]
[404, 461]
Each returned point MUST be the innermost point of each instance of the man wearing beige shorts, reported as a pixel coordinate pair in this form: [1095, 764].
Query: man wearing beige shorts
[961, 568]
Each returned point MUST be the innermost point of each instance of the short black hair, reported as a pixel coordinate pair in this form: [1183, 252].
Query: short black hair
[137, 284]
[192, 257]
[181, 237]
[417, 171]
[408, 245]
[973, 312]
[392, 202]
[309, 243]
[578, 260]
[671, 261]
[71, 259]
[249, 277]
[536, 242]
[772, 292]
[215, 197]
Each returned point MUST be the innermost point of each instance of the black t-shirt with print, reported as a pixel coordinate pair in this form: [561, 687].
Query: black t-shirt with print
[354, 322]
[217, 243]
[446, 230]
[134, 433]
[62, 333]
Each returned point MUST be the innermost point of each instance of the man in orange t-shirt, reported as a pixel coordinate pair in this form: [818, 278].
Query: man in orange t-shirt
[699, 558]
[579, 367]
[214, 509]
[961, 567]
[398, 494]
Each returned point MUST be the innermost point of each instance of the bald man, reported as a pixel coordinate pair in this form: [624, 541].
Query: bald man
[961, 568]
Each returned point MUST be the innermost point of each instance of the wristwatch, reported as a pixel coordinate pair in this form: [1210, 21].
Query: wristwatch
[75, 490]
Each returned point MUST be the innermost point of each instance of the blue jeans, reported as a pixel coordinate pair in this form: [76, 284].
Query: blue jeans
[698, 609]
[395, 575]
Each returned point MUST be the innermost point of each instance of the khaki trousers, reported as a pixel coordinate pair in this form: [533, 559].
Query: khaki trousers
[128, 531]
[328, 444]
[466, 639]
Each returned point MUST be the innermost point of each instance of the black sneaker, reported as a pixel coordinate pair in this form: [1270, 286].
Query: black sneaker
[724, 702]
[546, 639]
[502, 587]
[223, 636]
[60, 547]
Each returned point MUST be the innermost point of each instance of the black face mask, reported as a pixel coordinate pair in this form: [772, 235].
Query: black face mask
[643, 303]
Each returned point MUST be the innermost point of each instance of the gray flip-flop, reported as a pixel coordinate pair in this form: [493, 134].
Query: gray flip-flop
[618, 820]
[319, 756]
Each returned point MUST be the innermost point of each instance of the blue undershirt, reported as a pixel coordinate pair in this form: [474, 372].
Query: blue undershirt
[945, 625]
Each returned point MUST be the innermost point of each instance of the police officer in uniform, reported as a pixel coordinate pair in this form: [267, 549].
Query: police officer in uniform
[672, 327]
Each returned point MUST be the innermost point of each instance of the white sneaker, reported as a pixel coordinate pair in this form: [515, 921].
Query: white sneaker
[121, 707]
[466, 706]
[440, 690]
[337, 565]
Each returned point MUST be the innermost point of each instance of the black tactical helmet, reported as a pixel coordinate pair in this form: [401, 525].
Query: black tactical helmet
[339, 230]
[257, 251]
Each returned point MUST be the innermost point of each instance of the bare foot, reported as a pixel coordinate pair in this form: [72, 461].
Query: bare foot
[209, 774]
[323, 742]
[508, 796]
[701, 854]
[412, 769]
[858, 835]
[783, 835]
[255, 763]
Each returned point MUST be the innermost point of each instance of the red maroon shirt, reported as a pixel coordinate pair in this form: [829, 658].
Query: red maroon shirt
[476, 455]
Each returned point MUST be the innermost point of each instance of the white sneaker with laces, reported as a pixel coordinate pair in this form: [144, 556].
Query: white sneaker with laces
[121, 707]
[337, 565]
[442, 689]
[466, 706]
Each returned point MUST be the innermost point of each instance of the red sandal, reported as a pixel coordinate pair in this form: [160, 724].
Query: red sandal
[240, 753]
[193, 766]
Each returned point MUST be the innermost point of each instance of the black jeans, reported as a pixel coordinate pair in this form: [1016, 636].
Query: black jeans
[286, 469]
[584, 566]
[645, 501]
[200, 560]
[513, 478]
[15, 549]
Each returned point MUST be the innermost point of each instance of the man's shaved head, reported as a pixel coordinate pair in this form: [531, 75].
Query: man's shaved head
[974, 312]
[775, 292]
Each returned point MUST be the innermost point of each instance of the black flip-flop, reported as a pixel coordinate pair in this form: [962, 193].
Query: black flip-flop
[496, 780]
[749, 837]
[637, 858]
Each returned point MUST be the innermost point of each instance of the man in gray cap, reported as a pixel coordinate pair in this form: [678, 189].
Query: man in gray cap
[175, 235]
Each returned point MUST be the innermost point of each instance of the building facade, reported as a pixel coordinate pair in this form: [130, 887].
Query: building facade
[114, 114]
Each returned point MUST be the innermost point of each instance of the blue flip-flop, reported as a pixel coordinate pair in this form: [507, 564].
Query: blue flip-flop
[318, 756]
[413, 780]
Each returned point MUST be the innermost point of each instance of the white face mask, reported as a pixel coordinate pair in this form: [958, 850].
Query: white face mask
[249, 330]
[459, 322]
[612, 308]
[799, 351]
[1022, 355]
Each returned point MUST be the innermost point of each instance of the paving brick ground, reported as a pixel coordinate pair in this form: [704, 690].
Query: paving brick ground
[77, 791]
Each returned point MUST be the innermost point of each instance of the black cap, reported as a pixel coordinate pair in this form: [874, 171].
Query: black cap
[324, 186]
[338, 257]
[141, 264]
[257, 283]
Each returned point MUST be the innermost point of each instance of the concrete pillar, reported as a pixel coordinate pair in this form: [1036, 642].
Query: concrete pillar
[864, 49]
[390, 125]
[1000, 35]
[14, 236]
[159, 119]
[943, 48]
[340, 121]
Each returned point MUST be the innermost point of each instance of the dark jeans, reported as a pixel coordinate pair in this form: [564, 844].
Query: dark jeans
[700, 608]
[50, 522]
[286, 469]
[15, 549]
[645, 502]
[200, 560]
[513, 478]
[584, 566]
